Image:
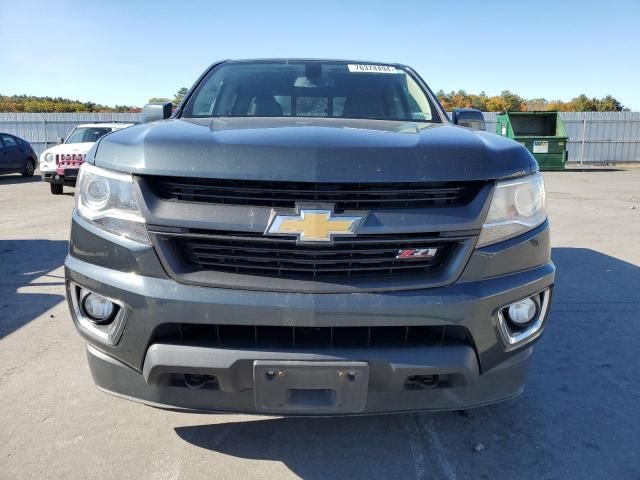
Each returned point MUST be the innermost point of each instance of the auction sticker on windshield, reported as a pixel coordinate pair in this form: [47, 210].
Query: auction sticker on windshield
[372, 69]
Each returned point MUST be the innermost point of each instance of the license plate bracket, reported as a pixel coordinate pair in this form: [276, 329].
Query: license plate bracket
[310, 387]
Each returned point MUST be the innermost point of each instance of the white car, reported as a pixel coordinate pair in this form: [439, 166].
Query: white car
[59, 165]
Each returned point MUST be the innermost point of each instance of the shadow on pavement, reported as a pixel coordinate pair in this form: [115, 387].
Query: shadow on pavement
[21, 263]
[315, 448]
[577, 418]
[10, 179]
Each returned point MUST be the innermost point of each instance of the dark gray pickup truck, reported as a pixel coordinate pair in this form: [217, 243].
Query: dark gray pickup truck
[309, 237]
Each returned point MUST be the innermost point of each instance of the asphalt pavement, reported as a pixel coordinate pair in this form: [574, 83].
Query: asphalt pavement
[578, 418]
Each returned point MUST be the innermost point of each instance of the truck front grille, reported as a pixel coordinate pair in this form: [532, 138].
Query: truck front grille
[281, 337]
[256, 254]
[345, 196]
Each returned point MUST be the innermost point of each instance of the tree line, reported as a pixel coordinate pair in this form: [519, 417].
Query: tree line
[460, 99]
[508, 101]
[32, 103]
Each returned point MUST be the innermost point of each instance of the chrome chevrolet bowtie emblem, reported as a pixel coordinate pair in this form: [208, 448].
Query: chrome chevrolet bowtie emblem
[314, 225]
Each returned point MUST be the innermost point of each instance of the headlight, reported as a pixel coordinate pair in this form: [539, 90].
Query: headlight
[106, 199]
[516, 207]
[46, 160]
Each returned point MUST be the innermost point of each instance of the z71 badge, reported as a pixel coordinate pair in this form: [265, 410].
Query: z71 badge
[417, 253]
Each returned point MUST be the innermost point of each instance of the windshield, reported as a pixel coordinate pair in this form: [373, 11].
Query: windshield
[311, 89]
[87, 134]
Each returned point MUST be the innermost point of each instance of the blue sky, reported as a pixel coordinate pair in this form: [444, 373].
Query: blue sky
[127, 51]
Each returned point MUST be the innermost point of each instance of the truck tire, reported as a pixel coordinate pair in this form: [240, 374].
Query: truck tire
[29, 168]
[56, 188]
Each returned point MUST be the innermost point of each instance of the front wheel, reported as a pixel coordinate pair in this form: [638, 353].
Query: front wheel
[29, 168]
[56, 188]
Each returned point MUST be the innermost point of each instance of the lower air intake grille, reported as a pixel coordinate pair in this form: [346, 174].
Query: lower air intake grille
[251, 336]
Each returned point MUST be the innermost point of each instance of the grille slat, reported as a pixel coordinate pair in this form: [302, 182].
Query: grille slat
[293, 191]
[314, 269]
[258, 258]
[232, 238]
[300, 252]
[285, 194]
[248, 200]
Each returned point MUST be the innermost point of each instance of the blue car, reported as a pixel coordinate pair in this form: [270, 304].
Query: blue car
[16, 156]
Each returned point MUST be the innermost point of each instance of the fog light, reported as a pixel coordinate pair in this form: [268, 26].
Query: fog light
[522, 312]
[522, 322]
[97, 308]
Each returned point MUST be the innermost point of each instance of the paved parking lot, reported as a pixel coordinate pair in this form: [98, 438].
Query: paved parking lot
[578, 417]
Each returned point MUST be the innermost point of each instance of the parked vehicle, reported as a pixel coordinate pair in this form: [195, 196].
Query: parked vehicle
[309, 238]
[16, 156]
[59, 165]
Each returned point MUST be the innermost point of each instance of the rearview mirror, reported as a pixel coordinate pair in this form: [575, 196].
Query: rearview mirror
[468, 117]
[152, 112]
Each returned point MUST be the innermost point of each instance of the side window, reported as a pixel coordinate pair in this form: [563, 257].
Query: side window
[418, 103]
[205, 100]
[285, 103]
[9, 141]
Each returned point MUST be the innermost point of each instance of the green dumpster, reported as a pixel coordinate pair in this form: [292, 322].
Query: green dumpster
[542, 133]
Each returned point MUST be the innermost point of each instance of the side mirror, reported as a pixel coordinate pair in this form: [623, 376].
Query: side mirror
[468, 117]
[60, 140]
[152, 112]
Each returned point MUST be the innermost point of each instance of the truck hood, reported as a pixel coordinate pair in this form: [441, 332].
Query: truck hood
[313, 150]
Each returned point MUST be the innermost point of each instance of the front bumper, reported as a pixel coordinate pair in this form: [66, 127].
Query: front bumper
[69, 177]
[385, 393]
[142, 367]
